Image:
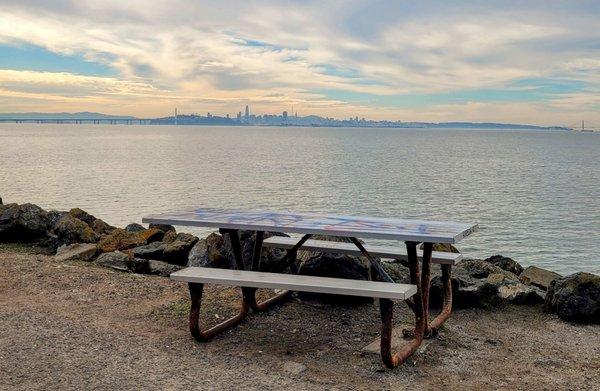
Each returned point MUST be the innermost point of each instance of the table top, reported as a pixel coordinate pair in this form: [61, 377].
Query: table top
[314, 223]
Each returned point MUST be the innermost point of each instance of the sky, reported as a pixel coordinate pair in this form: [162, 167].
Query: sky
[534, 62]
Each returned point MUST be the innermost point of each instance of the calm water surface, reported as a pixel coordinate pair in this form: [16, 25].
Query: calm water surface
[536, 195]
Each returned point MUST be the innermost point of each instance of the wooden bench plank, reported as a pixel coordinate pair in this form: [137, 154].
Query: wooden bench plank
[394, 252]
[338, 286]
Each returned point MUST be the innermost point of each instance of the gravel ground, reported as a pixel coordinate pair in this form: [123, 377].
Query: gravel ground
[74, 325]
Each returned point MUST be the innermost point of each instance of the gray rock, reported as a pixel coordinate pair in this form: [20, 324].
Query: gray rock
[120, 261]
[575, 298]
[115, 260]
[334, 265]
[505, 263]
[119, 239]
[177, 251]
[152, 250]
[23, 223]
[162, 268]
[207, 252]
[163, 227]
[513, 291]
[100, 227]
[271, 259]
[82, 215]
[56, 215]
[138, 265]
[477, 283]
[69, 230]
[398, 272]
[135, 227]
[82, 251]
[294, 368]
[537, 276]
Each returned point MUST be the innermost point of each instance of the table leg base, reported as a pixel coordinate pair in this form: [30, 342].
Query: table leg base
[389, 358]
[203, 335]
[268, 303]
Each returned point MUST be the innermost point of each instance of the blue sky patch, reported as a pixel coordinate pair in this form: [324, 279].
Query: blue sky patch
[35, 58]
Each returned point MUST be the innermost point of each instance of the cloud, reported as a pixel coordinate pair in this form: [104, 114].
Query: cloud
[217, 56]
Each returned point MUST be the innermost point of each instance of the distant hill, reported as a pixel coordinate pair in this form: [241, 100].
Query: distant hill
[80, 115]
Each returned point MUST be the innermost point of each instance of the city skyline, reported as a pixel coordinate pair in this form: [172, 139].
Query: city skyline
[532, 63]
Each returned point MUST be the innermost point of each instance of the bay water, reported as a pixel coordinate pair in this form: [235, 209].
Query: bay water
[535, 194]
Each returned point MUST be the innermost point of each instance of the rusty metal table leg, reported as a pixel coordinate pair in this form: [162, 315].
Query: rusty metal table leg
[204, 335]
[426, 282]
[444, 314]
[196, 291]
[389, 358]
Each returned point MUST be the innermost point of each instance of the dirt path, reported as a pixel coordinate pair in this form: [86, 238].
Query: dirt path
[77, 326]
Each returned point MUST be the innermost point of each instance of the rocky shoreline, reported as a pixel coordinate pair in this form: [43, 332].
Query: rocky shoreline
[161, 250]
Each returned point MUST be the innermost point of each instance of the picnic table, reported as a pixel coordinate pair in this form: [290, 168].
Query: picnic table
[412, 232]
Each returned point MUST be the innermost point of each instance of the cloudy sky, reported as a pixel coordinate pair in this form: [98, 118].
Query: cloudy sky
[529, 62]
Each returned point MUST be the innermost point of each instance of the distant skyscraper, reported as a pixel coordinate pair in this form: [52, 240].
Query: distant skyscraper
[239, 116]
[285, 115]
[247, 115]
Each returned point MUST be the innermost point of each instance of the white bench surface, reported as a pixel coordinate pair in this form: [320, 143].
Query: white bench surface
[394, 252]
[338, 286]
[313, 223]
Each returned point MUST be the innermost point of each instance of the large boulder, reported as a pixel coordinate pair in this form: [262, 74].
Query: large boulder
[23, 223]
[162, 268]
[176, 250]
[69, 230]
[537, 276]
[152, 250]
[324, 264]
[151, 235]
[163, 227]
[135, 227]
[100, 227]
[115, 260]
[505, 263]
[575, 298]
[399, 273]
[477, 283]
[123, 262]
[119, 239]
[207, 252]
[270, 260]
[82, 215]
[513, 291]
[81, 251]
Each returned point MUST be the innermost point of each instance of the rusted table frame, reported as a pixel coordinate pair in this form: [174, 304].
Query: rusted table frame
[248, 294]
[418, 276]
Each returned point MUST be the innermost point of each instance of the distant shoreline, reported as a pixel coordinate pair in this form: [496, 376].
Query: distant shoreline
[260, 120]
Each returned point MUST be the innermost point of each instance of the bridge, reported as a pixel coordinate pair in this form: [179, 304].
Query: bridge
[584, 127]
[112, 121]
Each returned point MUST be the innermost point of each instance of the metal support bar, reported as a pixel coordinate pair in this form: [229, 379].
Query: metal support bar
[386, 307]
[381, 273]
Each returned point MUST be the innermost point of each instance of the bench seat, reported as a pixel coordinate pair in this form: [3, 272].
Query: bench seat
[394, 252]
[338, 286]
